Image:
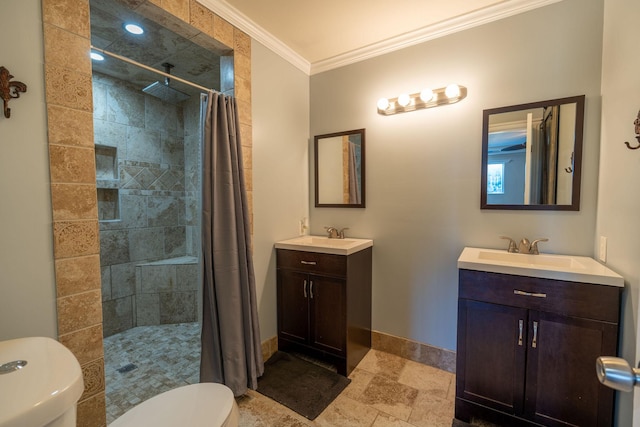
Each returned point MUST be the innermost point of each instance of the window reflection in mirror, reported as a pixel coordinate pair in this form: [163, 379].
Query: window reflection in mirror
[339, 169]
[531, 155]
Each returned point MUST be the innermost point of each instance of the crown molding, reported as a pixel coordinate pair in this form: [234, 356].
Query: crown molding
[244, 23]
[441, 29]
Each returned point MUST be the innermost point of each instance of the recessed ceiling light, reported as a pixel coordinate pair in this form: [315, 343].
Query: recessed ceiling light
[134, 28]
[96, 56]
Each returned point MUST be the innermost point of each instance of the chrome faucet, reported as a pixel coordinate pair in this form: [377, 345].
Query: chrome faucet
[533, 249]
[525, 247]
[512, 245]
[334, 233]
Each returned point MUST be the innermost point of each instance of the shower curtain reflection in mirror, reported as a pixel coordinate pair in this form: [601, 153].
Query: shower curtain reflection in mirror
[530, 151]
[339, 161]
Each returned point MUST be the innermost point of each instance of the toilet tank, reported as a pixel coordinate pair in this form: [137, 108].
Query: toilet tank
[40, 383]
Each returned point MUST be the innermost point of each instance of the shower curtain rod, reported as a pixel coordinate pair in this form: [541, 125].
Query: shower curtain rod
[146, 67]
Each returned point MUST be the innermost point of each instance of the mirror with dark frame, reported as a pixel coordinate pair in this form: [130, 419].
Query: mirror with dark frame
[532, 155]
[339, 169]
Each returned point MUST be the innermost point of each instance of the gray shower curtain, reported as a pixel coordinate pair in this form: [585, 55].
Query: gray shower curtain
[231, 352]
[354, 185]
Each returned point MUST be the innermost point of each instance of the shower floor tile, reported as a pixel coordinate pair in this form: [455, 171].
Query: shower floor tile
[164, 356]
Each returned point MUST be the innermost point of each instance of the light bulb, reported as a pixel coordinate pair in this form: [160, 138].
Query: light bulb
[383, 104]
[426, 95]
[96, 56]
[404, 100]
[134, 29]
[452, 91]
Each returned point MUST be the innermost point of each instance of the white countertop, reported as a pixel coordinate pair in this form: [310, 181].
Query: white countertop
[323, 244]
[547, 266]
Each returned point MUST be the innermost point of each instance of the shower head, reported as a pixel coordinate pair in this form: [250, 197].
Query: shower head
[164, 91]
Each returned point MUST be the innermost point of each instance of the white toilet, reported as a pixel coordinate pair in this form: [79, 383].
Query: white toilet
[41, 382]
[195, 405]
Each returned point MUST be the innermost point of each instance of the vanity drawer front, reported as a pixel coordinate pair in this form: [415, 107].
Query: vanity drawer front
[598, 302]
[312, 262]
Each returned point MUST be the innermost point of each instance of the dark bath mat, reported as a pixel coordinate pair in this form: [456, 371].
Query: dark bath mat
[304, 387]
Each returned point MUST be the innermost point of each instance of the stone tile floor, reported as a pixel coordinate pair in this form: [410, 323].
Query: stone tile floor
[385, 390]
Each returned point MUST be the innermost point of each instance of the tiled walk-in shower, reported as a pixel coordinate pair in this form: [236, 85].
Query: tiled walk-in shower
[148, 180]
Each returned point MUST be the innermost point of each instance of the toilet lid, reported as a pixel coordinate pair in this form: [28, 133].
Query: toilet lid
[195, 405]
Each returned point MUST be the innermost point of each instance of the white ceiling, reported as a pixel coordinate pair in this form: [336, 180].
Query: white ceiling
[320, 35]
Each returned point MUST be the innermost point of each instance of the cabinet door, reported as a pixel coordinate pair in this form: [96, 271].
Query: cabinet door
[328, 314]
[562, 386]
[491, 355]
[293, 306]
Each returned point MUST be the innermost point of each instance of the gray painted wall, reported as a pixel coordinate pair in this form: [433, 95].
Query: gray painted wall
[280, 96]
[618, 195]
[27, 283]
[423, 167]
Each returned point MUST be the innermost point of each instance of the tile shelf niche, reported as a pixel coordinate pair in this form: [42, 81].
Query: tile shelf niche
[107, 183]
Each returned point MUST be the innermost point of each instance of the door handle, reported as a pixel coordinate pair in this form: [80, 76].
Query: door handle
[304, 288]
[520, 326]
[616, 373]
[534, 342]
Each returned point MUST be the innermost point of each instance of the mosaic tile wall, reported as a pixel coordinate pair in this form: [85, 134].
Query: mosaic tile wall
[73, 171]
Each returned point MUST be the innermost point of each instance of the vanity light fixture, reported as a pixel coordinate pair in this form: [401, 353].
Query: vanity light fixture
[134, 28]
[452, 91]
[404, 100]
[426, 99]
[383, 104]
[426, 95]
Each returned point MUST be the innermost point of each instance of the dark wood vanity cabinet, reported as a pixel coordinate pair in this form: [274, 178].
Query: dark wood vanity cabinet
[527, 349]
[324, 305]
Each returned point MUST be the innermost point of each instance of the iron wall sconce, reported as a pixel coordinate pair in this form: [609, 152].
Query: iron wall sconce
[9, 89]
[428, 98]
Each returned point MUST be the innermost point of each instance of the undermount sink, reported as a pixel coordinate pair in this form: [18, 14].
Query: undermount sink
[549, 266]
[322, 244]
[532, 260]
